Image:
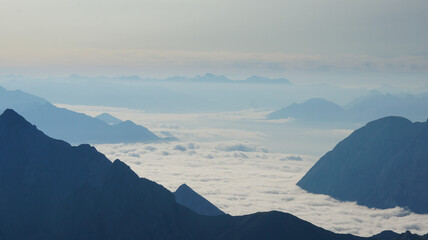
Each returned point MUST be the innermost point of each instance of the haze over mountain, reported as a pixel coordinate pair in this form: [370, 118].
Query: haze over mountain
[413, 107]
[52, 190]
[72, 126]
[201, 94]
[108, 118]
[383, 165]
[362, 109]
[212, 78]
[312, 110]
[187, 197]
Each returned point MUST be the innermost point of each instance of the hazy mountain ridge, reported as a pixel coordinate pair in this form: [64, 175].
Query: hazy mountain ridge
[382, 165]
[52, 190]
[72, 126]
[362, 109]
[179, 94]
[108, 118]
[212, 78]
[312, 110]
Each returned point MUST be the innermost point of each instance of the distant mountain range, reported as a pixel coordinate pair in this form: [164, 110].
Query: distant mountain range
[383, 165]
[179, 94]
[363, 109]
[52, 190]
[72, 126]
[185, 196]
[212, 78]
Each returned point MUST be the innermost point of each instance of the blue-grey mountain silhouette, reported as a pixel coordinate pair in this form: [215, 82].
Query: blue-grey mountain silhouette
[383, 164]
[52, 190]
[265, 80]
[362, 109]
[187, 197]
[312, 110]
[108, 118]
[72, 126]
[413, 107]
[212, 78]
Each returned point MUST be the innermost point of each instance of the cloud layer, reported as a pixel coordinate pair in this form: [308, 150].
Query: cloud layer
[241, 172]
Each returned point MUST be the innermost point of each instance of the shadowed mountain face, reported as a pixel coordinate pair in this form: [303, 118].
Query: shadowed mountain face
[185, 196]
[72, 126]
[383, 164]
[52, 190]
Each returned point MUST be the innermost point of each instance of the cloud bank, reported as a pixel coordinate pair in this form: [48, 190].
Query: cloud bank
[232, 168]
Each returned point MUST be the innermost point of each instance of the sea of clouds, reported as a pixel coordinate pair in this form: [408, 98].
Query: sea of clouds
[243, 164]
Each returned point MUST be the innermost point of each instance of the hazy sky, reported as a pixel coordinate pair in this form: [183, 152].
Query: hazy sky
[235, 37]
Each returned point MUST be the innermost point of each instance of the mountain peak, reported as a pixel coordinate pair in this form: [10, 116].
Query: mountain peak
[183, 187]
[186, 196]
[12, 118]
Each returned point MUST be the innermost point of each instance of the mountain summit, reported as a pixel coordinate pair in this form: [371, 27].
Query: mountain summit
[185, 196]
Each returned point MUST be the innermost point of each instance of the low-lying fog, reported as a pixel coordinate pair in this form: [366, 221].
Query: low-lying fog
[243, 163]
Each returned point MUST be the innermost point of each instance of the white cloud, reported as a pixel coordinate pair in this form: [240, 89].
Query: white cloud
[246, 182]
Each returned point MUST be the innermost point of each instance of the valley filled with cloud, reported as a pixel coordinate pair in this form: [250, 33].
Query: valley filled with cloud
[244, 163]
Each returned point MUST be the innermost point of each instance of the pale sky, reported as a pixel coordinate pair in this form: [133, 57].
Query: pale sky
[235, 37]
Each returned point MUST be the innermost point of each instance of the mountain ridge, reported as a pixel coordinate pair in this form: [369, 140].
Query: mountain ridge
[52, 190]
[72, 126]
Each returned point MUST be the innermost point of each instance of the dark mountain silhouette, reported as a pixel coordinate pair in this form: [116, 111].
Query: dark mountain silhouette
[72, 126]
[52, 190]
[313, 110]
[390, 235]
[383, 164]
[108, 118]
[185, 196]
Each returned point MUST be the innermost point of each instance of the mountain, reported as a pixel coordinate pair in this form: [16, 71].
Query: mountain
[179, 94]
[414, 107]
[52, 190]
[363, 98]
[312, 110]
[72, 126]
[185, 196]
[108, 118]
[212, 78]
[390, 235]
[265, 80]
[360, 110]
[381, 165]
